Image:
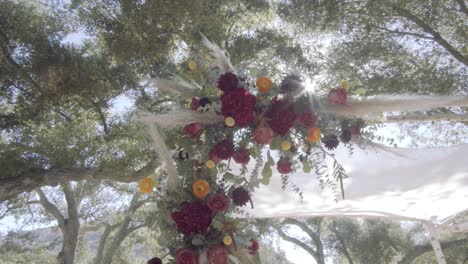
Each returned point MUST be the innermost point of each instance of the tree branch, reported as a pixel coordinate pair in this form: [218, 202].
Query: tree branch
[403, 33]
[341, 240]
[421, 249]
[10, 187]
[296, 241]
[428, 29]
[462, 5]
[51, 209]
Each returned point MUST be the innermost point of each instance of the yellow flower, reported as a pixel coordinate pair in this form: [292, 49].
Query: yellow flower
[200, 188]
[146, 185]
[210, 164]
[345, 84]
[285, 145]
[229, 121]
[192, 66]
[264, 84]
[227, 240]
[314, 135]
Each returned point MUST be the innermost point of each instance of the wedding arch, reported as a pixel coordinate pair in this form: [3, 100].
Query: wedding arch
[240, 147]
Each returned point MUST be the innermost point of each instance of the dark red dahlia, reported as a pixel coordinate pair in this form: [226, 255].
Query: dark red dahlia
[307, 119]
[228, 82]
[291, 84]
[330, 141]
[284, 166]
[193, 218]
[281, 117]
[338, 96]
[155, 261]
[254, 246]
[242, 156]
[240, 105]
[346, 136]
[224, 149]
[240, 196]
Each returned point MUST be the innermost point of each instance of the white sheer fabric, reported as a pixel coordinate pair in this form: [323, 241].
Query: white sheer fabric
[406, 184]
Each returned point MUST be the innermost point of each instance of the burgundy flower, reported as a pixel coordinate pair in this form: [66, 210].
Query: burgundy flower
[284, 166]
[291, 84]
[154, 261]
[193, 130]
[355, 130]
[213, 157]
[186, 256]
[193, 218]
[281, 117]
[254, 246]
[217, 254]
[263, 134]
[330, 141]
[240, 196]
[338, 96]
[307, 119]
[346, 136]
[224, 149]
[195, 103]
[218, 202]
[240, 105]
[228, 82]
[242, 156]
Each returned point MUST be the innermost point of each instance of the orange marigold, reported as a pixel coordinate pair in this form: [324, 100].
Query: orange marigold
[200, 188]
[264, 84]
[314, 135]
[146, 185]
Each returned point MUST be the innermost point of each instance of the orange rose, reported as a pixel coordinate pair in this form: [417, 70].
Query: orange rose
[314, 135]
[146, 185]
[200, 188]
[264, 84]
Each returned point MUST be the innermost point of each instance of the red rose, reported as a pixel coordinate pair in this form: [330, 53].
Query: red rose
[240, 105]
[224, 149]
[263, 134]
[284, 166]
[193, 218]
[218, 202]
[254, 246]
[228, 82]
[281, 116]
[242, 156]
[186, 256]
[193, 130]
[217, 254]
[195, 103]
[307, 119]
[338, 96]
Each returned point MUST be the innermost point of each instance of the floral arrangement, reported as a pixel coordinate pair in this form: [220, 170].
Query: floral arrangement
[198, 219]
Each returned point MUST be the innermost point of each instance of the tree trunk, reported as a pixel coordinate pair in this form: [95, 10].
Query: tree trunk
[105, 253]
[419, 250]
